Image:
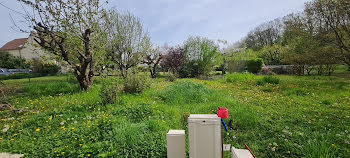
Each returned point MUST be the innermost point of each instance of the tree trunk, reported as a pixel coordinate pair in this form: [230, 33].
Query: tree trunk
[85, 72]
[224, 67]
[85, 81]
[124, 71]
[153, 71]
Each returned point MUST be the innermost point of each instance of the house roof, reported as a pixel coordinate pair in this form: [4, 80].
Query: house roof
[14, 44]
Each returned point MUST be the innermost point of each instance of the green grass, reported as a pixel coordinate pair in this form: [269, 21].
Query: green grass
[268, 79]
[186, 92]
[239, 77]
[301, 116]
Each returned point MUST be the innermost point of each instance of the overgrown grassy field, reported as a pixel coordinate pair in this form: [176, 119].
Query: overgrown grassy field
[281, 116]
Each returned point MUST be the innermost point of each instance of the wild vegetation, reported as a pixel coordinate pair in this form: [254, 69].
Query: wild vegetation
[153, 89]
[286, 116]
[313, 41]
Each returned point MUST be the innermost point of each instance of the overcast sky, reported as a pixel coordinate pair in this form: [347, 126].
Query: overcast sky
[173, 21]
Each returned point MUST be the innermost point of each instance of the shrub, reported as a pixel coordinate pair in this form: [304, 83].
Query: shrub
[109, 91]
[9, 61]
[185, 92]
[240, 77]
[255, 65]
[39, 66]
[268, 79]
[136, 83]
[50, 69]
[170, 77]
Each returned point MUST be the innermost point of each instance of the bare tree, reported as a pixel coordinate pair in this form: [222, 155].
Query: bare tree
[70, 30]
[152, 58]
[127, 41]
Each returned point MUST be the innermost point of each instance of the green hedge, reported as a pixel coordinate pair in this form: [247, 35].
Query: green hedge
[255, 65]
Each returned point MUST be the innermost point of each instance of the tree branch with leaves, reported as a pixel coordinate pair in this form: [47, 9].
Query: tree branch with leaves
[126, 40]
[71, 31]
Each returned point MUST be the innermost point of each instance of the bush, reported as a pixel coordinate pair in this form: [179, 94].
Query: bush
[185, 92]
[255, 65]
[268, 79]
[50, 69]
[136, 83]
[109, 91]
[9, 61]
[39, 66]
[240, 77]
[170, 77]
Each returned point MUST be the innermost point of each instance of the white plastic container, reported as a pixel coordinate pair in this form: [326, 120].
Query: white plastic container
[241, 153]
[204, 136]
[176, 145]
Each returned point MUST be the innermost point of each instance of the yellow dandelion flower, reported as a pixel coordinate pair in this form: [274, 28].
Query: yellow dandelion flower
[333, 145]
[14, 134]
[12, 139]
[88, 155]
[37, 130]
[62, 153]
[73, 128]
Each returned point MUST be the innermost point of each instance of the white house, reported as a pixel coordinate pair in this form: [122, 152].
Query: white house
[25, 48]
[28, 49]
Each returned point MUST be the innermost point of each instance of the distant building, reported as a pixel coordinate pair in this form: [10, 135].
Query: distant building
[28, 49]
[25, 48]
